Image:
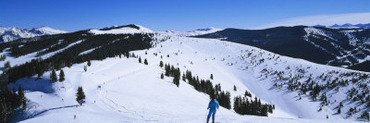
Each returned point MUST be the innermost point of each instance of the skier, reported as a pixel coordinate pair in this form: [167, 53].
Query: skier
[212, 106]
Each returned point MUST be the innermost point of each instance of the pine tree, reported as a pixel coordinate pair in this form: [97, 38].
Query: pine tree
[339, 111]
[127, 54]
[211, 76]
[53, 76]
[234, 88]
[183, 77]
[365, 115]
[88, 63]
[176, 76]
[161, 64]
[5, 110]
[2, 57]
[145, 62]
[139, 59]
[167, 69]
[80, 95]
[40, 73]
[7, 65]
[270, 109]
[176, 80]
[61, 76]
[22, 98]
[247, 94]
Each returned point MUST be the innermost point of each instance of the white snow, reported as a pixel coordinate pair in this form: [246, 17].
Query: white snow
[86, 52]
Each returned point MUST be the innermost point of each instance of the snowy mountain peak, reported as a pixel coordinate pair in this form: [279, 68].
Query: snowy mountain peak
[14, 33]
[126, 29]
[46, 30]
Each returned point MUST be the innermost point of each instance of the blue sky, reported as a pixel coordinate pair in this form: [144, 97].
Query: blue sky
[73, 15]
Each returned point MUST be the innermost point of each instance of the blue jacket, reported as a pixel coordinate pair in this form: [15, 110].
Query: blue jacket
[213, 105]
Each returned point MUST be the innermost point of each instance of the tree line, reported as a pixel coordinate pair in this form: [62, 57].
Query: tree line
[242, 105]
[107, 45]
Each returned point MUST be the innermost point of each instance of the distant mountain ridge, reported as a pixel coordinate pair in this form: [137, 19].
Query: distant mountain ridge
[195, 32]
[337, 47]
[14, 33]
[347, 25]
[126, 29]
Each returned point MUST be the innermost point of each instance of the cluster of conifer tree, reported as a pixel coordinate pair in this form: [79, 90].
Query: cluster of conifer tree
[173, 72]
[205, 86]
[53, 76]
[243, 105]
[200, 85]
[9, 101]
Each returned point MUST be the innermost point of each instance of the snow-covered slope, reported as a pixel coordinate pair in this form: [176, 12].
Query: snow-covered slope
[14, 33]
[123, 90]
[343, 54]
[194, 32]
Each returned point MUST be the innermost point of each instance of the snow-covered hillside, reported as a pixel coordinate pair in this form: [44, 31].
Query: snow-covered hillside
[346, 55]
[124, 90]
[14, 33]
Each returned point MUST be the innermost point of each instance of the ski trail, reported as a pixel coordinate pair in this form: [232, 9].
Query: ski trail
[102, 94]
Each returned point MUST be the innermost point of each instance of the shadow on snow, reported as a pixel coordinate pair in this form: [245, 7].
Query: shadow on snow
[33, 84]
[20, 116]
